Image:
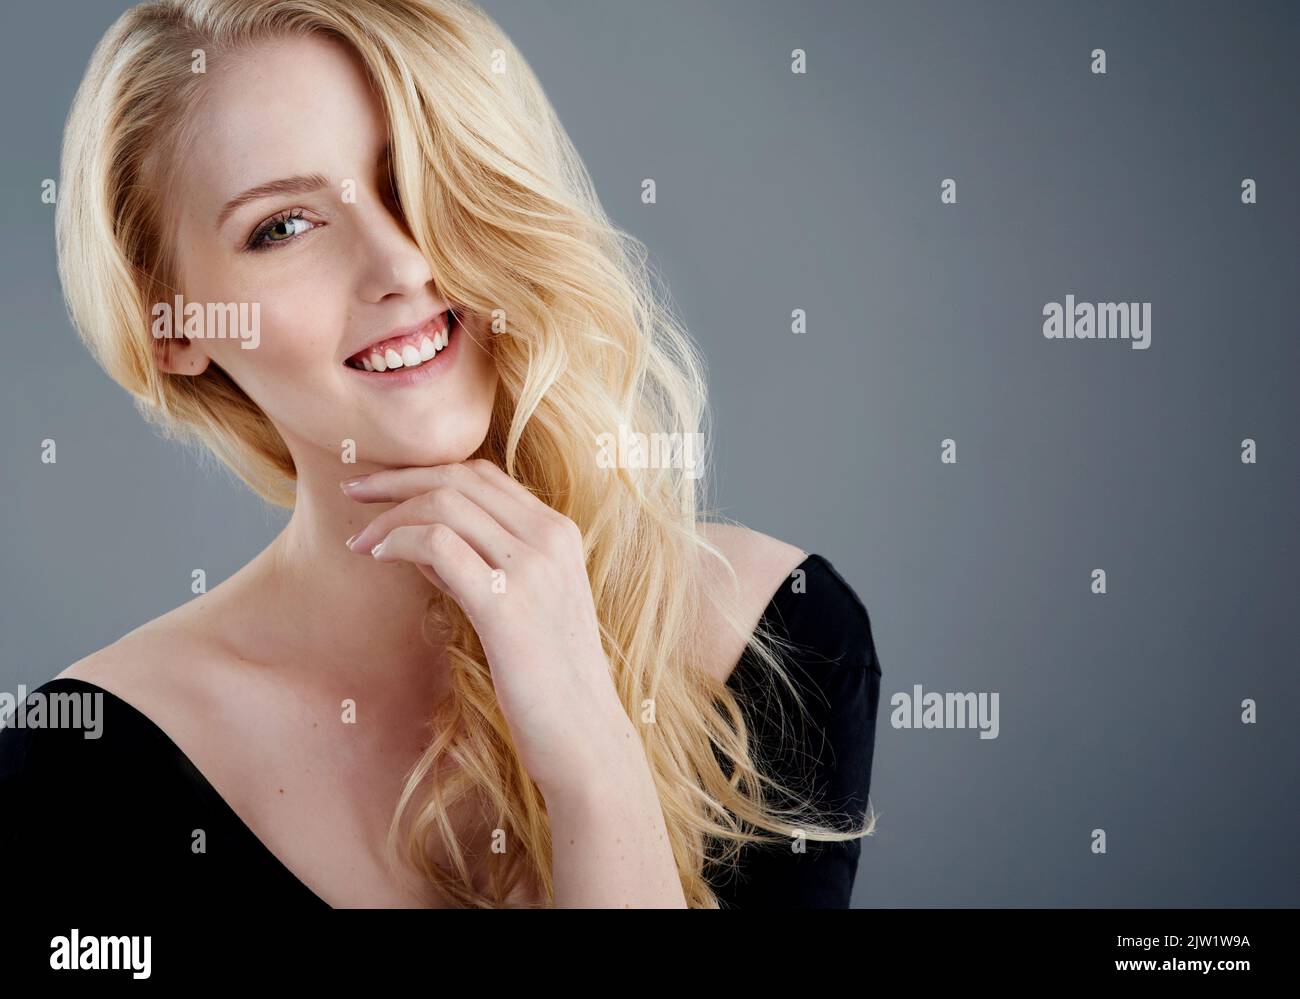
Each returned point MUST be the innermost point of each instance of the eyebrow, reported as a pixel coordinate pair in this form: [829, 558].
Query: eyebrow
[302, 184]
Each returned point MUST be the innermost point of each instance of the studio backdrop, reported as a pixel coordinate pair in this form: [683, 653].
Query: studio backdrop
[998, 303]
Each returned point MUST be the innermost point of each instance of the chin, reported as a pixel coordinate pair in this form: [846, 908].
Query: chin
[407, 451]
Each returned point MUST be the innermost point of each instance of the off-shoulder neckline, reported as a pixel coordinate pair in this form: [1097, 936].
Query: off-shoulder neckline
[208, 789]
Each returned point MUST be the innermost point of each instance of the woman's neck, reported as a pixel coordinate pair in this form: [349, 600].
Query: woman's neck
[335, 610]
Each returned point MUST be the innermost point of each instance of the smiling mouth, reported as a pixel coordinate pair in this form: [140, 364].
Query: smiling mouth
[410, 351]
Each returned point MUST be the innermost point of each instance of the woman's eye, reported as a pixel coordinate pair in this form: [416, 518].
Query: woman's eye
[280, 229]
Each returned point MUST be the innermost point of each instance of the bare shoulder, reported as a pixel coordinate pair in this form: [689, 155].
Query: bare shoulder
[157, 668]
[762, 564]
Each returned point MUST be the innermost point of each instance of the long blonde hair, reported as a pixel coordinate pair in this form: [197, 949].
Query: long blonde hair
[584, 343]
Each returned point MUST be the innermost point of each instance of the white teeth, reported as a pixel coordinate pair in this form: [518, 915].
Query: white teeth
[410, 356]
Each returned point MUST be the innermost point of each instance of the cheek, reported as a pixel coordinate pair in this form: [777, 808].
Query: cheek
[481, 373]
[298, 332]
[296, 337]
[479, 356]
[295, 322]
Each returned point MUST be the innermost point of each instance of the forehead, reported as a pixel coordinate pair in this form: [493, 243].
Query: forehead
[275, 109]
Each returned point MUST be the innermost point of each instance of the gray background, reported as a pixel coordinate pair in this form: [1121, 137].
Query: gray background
[821, 192]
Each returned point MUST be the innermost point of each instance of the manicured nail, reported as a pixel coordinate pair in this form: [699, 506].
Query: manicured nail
[377, 549]
[352, 539]
[345, 486]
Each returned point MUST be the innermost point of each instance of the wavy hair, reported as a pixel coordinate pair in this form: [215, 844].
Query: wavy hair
[584, 340]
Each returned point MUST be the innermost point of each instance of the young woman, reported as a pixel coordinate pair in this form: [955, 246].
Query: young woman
[483, 664]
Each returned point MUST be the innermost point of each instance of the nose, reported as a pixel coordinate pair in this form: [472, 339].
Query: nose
[390, 261]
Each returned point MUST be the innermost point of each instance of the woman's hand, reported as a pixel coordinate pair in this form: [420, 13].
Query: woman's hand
[517, 569]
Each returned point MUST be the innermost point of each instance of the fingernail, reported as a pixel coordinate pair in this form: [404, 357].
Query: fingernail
[377, 549]
[349, 483]
[352, 539]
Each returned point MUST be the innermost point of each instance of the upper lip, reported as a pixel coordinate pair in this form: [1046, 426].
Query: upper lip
[433, 321]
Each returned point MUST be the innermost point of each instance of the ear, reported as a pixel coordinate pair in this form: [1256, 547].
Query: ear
[179, 355]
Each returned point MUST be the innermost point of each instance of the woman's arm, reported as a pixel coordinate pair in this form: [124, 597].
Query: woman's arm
[517, 569]
[609, 842]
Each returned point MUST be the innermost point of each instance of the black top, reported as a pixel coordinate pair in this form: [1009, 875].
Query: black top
[97, 821]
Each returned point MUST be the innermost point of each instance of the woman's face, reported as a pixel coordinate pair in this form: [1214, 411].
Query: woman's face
[328, 261]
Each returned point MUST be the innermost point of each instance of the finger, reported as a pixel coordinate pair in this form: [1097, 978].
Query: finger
[466, 576]
[395, 485]
[429, 574]
[494, 473]
[445, 505]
